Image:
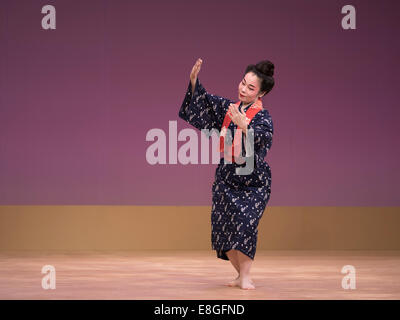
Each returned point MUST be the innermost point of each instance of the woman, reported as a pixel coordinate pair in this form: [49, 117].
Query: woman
[239, 201]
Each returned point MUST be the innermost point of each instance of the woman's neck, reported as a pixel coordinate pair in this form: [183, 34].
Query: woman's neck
[247, 104]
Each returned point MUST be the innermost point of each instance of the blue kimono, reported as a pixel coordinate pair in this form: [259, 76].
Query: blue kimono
[238, 201]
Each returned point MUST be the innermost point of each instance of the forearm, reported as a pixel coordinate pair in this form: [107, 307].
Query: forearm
[193, 86]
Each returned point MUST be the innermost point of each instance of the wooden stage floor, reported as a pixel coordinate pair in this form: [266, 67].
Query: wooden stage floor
[198, 275]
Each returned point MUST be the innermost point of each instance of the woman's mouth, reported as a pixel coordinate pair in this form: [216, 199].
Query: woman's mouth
[240, 95]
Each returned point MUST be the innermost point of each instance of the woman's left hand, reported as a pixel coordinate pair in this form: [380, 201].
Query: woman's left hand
[237, 116]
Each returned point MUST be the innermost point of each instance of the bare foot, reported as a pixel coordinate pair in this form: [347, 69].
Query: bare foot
[236, 282]
[246, 284]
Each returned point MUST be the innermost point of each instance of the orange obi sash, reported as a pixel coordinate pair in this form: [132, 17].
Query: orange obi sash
[237, 140]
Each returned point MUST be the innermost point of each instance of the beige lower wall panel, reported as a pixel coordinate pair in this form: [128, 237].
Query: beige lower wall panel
[189, 228]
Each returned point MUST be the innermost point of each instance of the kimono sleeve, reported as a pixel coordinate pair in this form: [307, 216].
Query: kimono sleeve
[263, 131]
[202, 109]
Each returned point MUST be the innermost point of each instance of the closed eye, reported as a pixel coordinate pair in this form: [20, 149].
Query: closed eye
[244, 83]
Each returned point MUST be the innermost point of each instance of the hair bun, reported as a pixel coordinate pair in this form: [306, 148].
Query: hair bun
[264, 70]
[265, 67]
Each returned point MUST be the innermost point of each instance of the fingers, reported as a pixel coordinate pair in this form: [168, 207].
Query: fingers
[235, 113]
[231, 110]
[234, 109]
[198, 63]
[197, 67]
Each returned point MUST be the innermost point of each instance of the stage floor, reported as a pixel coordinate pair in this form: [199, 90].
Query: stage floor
[198, 275]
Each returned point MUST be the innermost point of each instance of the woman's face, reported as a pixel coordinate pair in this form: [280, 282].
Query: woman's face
[249, 88]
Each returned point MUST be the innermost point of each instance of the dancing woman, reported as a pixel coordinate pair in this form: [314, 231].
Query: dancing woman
[238, 201]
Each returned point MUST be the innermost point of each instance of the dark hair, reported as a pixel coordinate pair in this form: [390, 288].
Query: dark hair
[265, 71]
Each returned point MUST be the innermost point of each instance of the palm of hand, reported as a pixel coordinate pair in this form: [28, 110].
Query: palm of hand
[238, 116]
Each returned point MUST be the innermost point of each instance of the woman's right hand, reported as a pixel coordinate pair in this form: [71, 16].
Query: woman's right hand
[195, 72]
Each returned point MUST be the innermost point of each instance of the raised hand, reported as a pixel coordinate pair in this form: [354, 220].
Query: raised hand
[195, 72]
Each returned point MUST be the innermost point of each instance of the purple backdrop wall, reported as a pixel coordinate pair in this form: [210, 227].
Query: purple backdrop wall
[76, 102]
